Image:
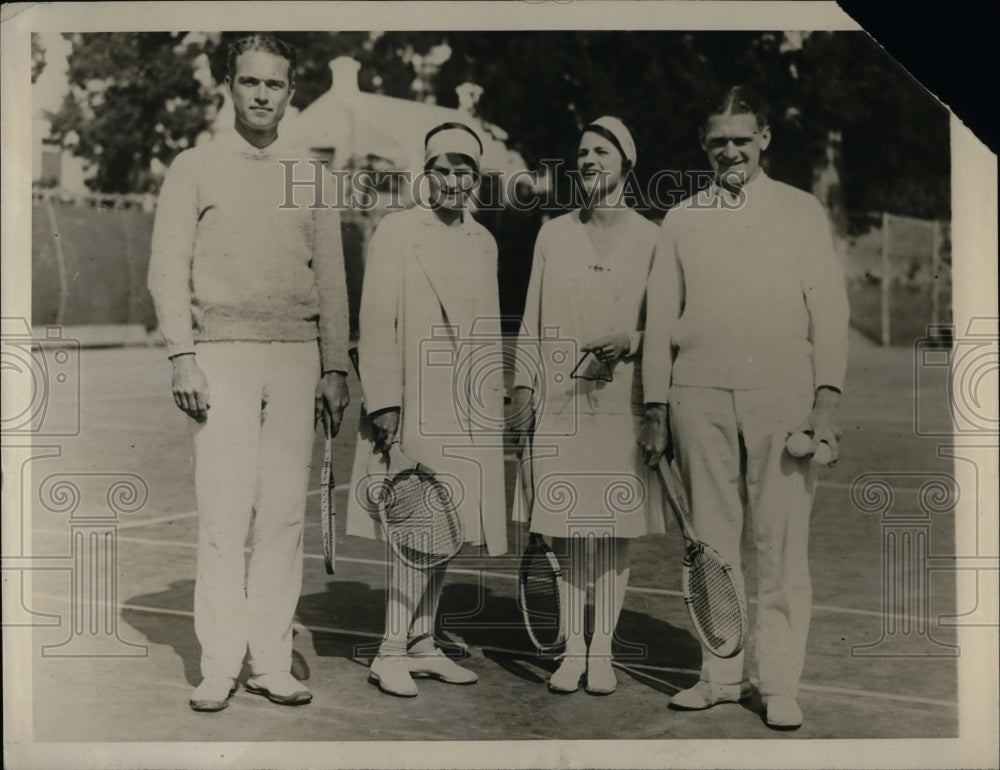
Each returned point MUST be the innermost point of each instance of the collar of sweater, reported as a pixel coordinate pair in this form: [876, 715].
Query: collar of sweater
[231, 140]
[759, 182]
[428, 217]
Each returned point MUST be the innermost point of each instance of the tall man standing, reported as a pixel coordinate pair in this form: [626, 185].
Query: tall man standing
[746, 341]
[242, 290]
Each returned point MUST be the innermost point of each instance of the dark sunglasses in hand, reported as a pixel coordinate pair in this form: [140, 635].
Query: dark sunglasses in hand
[603, 371]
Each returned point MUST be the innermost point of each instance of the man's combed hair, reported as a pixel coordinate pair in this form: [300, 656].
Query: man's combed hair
[738, 100]
[267, 44]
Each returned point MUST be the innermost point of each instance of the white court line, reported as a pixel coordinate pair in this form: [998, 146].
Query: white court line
[172, 517]
[512, 458]
[843, 691]
[344, 487]
[846, 691]
[157, 520]
[338, 488]
[513, 576]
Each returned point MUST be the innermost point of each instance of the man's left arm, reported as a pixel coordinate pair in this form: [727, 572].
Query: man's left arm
[826, 298]
[334, 319]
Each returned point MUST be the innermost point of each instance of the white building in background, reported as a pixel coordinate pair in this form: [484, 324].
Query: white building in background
[53, 165]
[352, 127]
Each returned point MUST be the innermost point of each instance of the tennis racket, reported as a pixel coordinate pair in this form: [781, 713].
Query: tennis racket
[328, 508]
[539, 576]
[715, 601]
[418, 513]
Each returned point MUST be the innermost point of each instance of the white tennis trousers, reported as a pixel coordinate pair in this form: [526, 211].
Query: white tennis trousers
[709, 424]
[252, 458]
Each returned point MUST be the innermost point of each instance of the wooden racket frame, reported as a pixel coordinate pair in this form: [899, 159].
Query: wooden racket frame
[536, 543]
[677, 500]
[409, 464]
[328, 507]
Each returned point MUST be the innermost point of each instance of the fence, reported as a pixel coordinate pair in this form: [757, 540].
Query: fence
[899, 277]
[90, 256]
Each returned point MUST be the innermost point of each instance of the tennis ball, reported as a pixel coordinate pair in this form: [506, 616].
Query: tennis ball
[799, 444]
[823, 454]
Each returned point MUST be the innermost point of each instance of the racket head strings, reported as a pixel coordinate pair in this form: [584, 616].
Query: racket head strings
[715, 601]
[540, 598]
[421, 523]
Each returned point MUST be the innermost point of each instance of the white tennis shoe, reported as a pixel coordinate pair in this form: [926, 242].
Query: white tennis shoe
[440, 666]
[704, 695]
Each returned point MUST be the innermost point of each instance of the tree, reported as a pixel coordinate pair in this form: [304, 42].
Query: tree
[133, 97]
[542, 87]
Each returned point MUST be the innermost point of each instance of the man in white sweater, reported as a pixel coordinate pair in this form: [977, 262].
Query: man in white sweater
[243, 289]
[746, 342]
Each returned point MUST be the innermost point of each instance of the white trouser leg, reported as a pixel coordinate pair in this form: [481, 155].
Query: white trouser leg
[227, 447]
[780, 495]
[706, 439]
[274, 575]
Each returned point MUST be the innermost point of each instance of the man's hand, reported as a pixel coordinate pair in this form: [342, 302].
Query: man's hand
[654, 436]
[609, 348]
[822, 423]
[331, 400]
[386, 425]
[190, 387]
[522, 416]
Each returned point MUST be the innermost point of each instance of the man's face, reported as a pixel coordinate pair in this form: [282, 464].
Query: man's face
[734, 144]
[260, 89]
[452, 180]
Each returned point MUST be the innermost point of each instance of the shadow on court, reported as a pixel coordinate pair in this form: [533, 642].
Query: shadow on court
[474, 616]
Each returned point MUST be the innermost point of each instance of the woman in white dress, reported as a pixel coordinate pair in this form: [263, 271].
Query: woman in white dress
[593, 493]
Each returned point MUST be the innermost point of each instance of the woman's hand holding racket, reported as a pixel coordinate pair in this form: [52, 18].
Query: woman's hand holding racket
[386, 425]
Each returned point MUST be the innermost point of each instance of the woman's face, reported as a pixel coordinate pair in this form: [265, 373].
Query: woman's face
[599, 163]
[452, 180]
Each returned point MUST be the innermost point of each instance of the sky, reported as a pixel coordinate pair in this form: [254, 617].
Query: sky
[48, 91]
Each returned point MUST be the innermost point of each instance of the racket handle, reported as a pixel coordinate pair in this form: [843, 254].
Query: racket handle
[676, 497]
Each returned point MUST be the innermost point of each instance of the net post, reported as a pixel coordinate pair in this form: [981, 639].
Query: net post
[935, 273]
[886, 240]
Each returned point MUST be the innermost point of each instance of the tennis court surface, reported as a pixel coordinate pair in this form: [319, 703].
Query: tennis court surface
[129, 425]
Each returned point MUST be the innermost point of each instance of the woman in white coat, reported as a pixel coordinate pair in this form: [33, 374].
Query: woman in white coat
[593, 493]
[428, 353]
